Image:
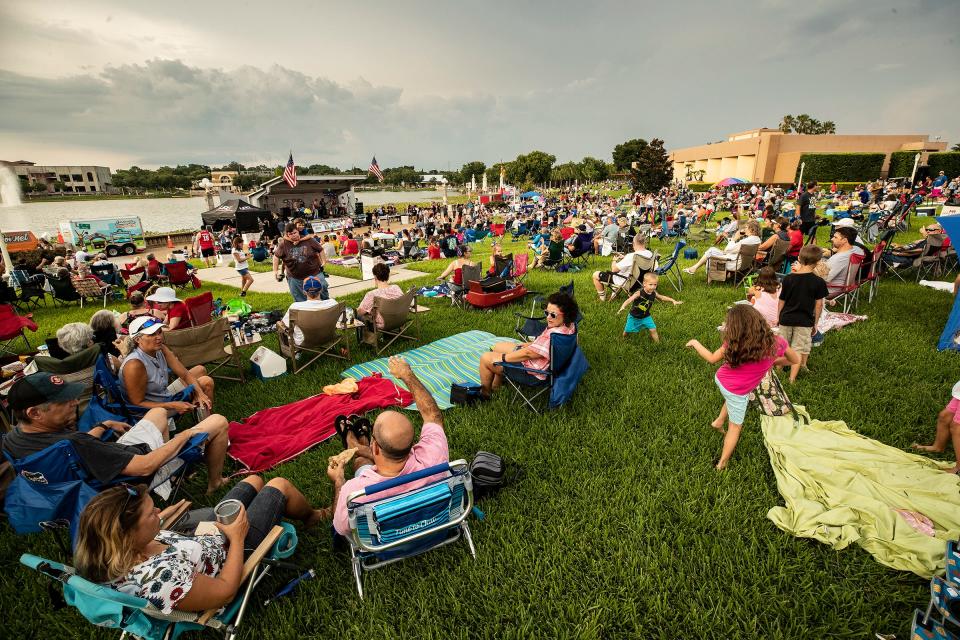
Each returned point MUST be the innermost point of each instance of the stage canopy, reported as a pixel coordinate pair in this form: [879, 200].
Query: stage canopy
[237, 213]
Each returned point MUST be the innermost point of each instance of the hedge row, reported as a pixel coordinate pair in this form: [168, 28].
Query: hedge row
[699, 187]
[827, 167]
[946, 161]
[901, 164]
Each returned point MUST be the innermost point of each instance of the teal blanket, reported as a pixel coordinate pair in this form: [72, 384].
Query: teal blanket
[439, 364]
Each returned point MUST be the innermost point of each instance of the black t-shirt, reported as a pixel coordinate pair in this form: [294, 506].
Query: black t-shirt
[642, 304]
[103, 460]
[806, 211]
[799, 295]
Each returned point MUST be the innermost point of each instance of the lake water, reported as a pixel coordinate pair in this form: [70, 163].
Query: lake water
[157, 214]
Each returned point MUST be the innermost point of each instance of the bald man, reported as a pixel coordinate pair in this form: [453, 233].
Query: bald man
[391, 450]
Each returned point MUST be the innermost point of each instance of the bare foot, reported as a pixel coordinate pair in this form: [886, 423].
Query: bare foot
[927, 447]
[212, 488]
[721, 466]
[318, 515]
[719, 425]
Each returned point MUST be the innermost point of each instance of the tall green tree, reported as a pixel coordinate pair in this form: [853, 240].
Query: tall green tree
[593, 169]
[628, 152]
[806, 124]
[531, 167]
[654, 170]
[471, 170]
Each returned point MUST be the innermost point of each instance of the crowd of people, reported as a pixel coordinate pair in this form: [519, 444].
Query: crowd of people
[121, 540]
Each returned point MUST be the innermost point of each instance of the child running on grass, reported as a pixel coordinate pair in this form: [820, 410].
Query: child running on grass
[749, 350]
[948, 430]
[639, 316]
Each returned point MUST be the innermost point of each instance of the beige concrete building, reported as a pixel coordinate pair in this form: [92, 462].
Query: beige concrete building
[223, 179]
[771, 156]
[75, 178]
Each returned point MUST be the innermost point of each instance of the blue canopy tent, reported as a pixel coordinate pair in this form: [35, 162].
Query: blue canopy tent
[950, 338]
[530, 194]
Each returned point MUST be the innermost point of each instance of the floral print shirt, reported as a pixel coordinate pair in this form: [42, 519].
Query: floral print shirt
[166, 578]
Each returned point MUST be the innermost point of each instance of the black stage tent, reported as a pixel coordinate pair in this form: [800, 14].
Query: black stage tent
[237, 213]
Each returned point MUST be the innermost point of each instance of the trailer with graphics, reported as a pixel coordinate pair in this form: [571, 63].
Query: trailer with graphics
[113, 236]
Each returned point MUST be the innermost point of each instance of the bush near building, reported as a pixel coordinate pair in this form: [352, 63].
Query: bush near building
[946, 161]
[901, 163]
[699, 187]
[847, 167]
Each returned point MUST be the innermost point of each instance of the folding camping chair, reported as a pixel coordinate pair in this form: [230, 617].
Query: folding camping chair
[744, 265]
[582, 249]
[520, 268]
[873, 276]
[524, 381]
[423, 517]
[179, 274]
[520, 231]
[31, 291]
[468, 274]
[502, 265]
[63, 291]
[320, 333]
[671, 268]
[87, 288]
[777, 257]
[200, 308]
[849, 294]
[107, 607]
[399, 317]
[556, 255]
[12, 327]
[640, 266]
[107, 273]
[135, 280]
[205, 345]
[933, 259]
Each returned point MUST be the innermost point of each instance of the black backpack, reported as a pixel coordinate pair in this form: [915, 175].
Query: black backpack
[488, 473]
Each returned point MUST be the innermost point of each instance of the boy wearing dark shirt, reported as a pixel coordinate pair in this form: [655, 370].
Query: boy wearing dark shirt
[643, 300]
[801, 301]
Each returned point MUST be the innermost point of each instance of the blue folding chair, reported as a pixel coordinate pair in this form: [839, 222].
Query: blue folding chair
[671, 267]
[51, 487]
[523, 380]
[421, 518]
[520, 232]
[136, 616]
[582, 248]
[106, 387]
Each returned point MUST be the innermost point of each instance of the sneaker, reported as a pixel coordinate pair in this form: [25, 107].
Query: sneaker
[817, 339]
[243, 294]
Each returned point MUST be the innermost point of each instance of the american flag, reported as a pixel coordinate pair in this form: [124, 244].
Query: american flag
[375, 169]
[290, 172]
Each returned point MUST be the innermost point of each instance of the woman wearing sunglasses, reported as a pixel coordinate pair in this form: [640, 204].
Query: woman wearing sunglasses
[145, 373]
[562, 312]
[120, 542]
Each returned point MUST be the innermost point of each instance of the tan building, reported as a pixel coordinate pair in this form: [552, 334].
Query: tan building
[223, 179]
[771, 156]
[74, 178]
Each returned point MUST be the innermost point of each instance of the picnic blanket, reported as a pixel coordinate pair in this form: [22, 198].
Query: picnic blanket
[830, 320]
[278, 434]
[938, 284]
[439, 364]
[842, 488]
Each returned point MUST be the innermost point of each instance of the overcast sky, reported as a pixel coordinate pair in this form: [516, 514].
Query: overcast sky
[437, 84]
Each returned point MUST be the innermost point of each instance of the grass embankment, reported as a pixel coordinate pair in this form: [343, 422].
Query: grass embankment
[620, 526]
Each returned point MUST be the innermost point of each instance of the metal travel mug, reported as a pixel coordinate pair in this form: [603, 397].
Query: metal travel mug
[227, 511]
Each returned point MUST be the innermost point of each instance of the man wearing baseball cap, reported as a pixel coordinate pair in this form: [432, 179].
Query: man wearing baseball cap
[44, 408]
[313, 289]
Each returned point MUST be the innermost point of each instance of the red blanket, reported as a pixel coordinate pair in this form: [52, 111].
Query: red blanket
[278, 434]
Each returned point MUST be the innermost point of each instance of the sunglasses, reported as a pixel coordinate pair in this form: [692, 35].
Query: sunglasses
[553, 315]
[132, 492]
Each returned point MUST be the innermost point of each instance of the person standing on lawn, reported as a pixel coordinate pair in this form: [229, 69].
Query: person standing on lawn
[639, 317]
[801, 303]
[240, 264]
[749, 350]
[205, 242]
[301, 259]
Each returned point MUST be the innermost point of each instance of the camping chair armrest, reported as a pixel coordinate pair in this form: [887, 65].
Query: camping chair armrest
[520, 315]
[516, 366]
[404, 479]
[249, 565]
[379, 548]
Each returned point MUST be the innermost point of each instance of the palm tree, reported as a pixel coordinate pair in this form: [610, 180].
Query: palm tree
[828, 127]
[787, 124]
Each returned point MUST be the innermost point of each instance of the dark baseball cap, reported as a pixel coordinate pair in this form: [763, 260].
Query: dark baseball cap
[39, 388]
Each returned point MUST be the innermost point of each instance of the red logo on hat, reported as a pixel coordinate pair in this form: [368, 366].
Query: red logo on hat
[56, 380]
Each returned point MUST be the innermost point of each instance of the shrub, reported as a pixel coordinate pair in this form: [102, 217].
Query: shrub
[827, 167]
[901, 164]
[698, 187]
[946, 161]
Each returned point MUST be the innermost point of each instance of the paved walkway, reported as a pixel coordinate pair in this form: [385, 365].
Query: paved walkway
[264, 282]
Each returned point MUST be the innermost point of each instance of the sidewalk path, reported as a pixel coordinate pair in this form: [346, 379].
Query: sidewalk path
[264, 282]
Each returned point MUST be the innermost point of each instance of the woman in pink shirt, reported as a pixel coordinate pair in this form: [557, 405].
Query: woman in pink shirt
[749, 350]
[562, 312]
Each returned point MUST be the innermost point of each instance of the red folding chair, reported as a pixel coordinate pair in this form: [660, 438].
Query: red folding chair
[178, 273]
[12, 327]
[135, 280]
[520, 264]
[200, 308]
[849, 294]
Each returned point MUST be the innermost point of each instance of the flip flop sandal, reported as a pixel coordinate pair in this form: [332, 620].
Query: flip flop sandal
[362, 428]
[341, 425]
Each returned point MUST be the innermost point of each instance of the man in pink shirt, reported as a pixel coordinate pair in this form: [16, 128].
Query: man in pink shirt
[390, 450]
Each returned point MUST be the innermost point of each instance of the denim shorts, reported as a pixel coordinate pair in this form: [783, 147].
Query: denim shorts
[264, 510]
[736, 404]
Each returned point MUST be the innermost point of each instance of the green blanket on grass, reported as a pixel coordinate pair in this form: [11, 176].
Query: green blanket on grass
[842, 488]
[438, 364]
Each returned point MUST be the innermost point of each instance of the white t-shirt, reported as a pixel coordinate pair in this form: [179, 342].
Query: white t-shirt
[956, 391]
[238, 263]
[306, 305]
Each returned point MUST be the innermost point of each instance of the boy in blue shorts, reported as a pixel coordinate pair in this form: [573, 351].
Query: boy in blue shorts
[639, 316]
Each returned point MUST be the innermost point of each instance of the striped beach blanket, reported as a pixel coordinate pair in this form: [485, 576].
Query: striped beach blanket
[439, 364]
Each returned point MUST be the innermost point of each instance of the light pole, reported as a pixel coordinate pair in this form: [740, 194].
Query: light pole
[800, 183]
[913, 174]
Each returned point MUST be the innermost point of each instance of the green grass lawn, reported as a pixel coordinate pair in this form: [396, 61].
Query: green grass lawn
[620, 526]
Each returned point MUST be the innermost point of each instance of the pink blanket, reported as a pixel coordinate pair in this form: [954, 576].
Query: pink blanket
[278, 434]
